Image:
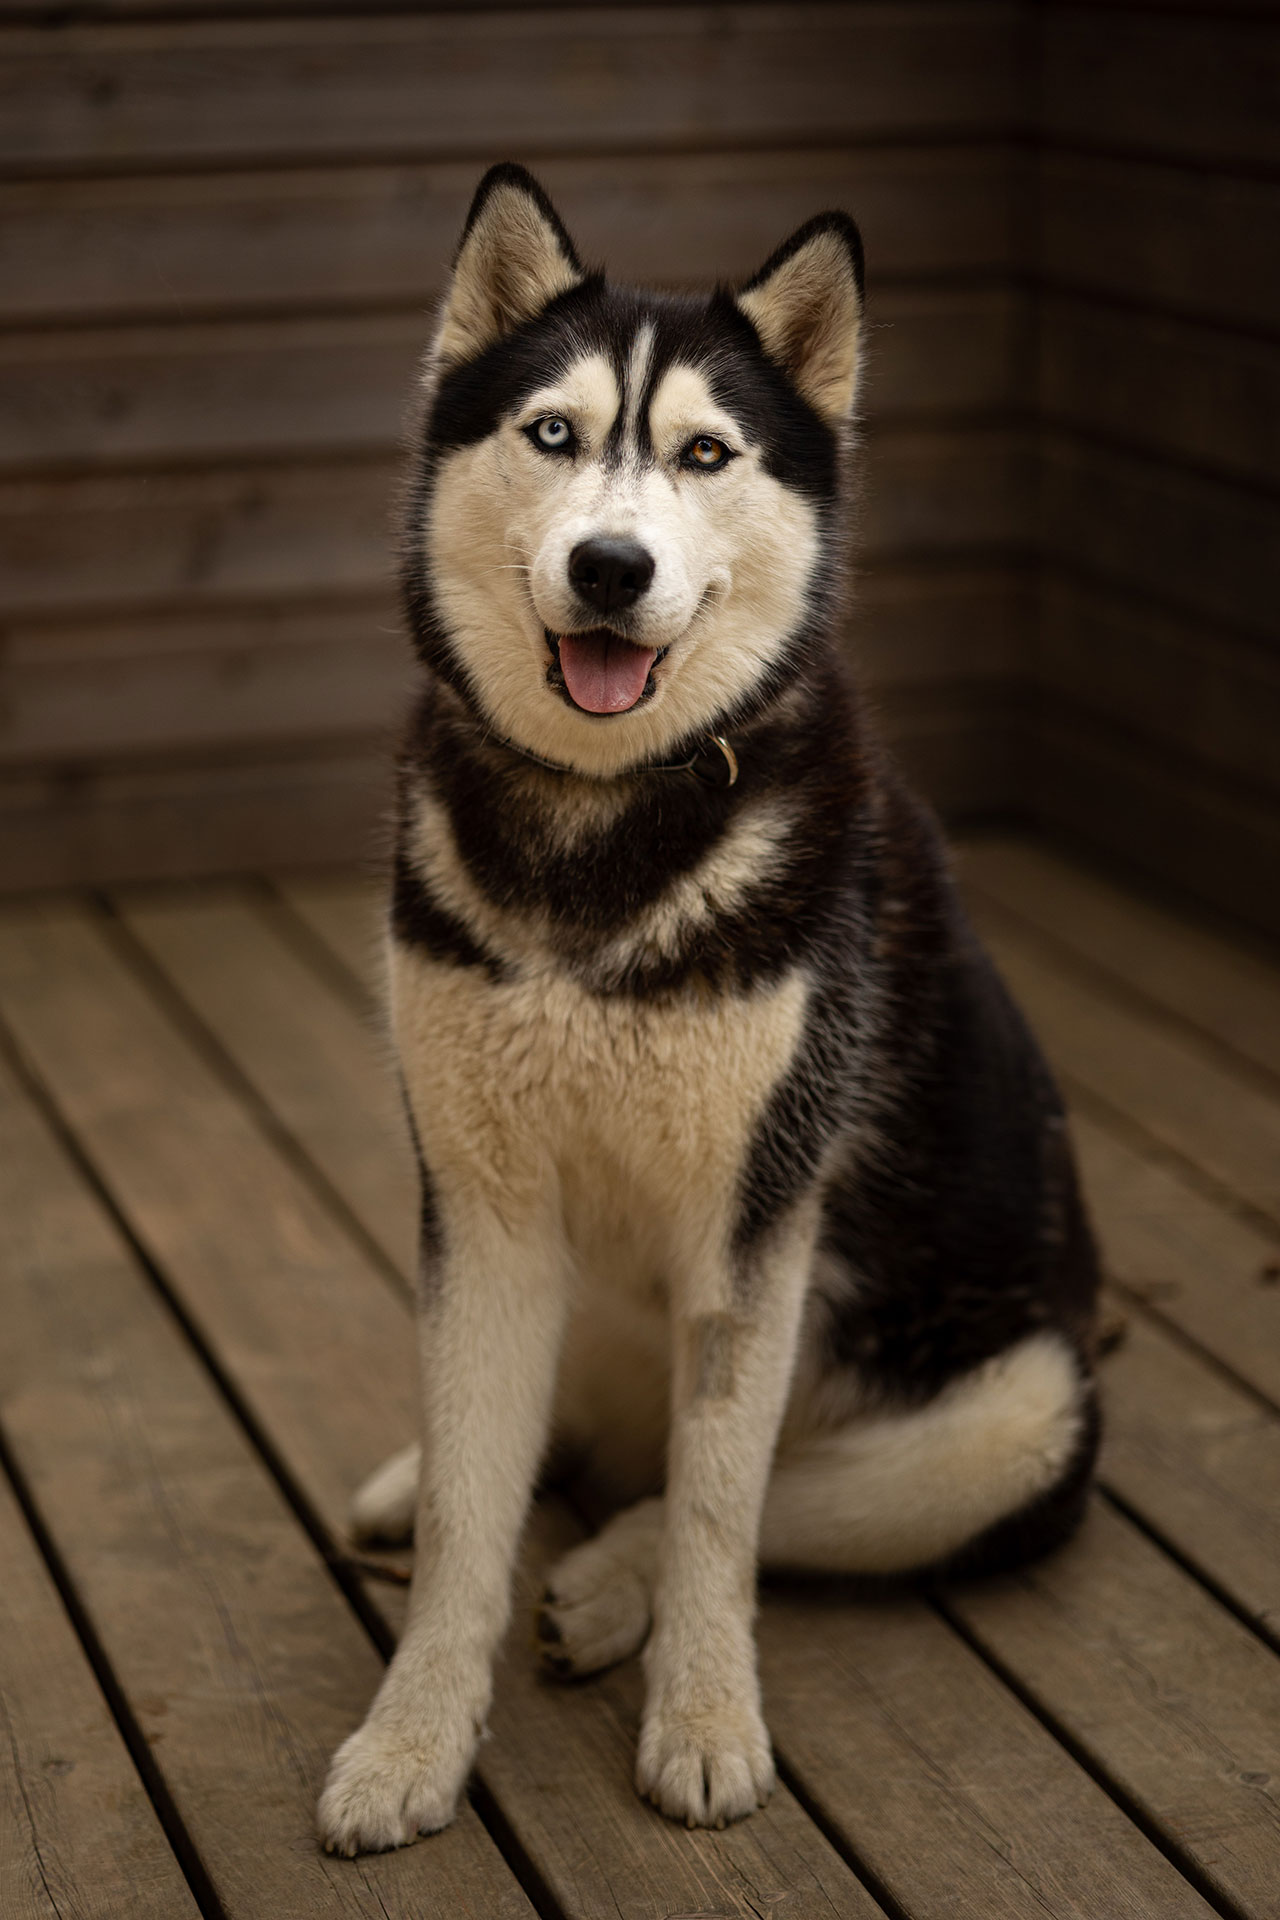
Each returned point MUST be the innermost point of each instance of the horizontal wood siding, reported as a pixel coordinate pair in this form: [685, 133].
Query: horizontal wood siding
[200, 391]
[176, 248]
[221, 235]
[1158, 393]
[544, 82]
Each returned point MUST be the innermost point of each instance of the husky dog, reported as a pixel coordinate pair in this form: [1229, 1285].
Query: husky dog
[742, 1180]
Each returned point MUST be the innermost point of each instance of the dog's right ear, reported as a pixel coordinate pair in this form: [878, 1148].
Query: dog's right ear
[514, 257]
[806, 305]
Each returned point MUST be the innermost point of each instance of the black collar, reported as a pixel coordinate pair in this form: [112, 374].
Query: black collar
[713, 761]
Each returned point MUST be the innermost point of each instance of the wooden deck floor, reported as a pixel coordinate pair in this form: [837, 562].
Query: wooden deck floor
[206, 1230]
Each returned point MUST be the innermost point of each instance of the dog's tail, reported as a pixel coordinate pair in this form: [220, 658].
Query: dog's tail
[992, 1471]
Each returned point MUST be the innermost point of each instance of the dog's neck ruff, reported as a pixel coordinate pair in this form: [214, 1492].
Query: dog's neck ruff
[714, 762]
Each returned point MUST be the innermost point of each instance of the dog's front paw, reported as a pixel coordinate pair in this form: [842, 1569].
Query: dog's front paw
[706, 1768]
[384, 1789]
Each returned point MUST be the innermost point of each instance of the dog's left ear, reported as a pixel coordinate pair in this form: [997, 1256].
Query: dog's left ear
[806, 305]
[514, 257]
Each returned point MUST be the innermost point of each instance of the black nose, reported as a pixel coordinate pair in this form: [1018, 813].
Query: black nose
[610, 574]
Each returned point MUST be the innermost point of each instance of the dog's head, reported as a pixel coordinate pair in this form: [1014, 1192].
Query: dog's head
[624, 527]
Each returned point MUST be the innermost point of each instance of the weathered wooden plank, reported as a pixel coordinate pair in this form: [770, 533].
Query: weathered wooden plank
[284, 1028]
[77, 397]
[304, 1327]
[102, 689]
[187, 538]
[446, 83]
[346, 914]
[80, 1835]
[76, 823]
[963, 748]
[1178, 1092]
[193, 245]
[1183, 686]
[105, 10]
[910, 626]
[1127, 1651]
[891, 1762]
[1192, 241]
[80, 397]
[240, 1660]
[1164, 386]
[1201, 88]
[307, 527]
[934, 491]
[20, 11]
[1218, 985]
[1205, 545]
[261, 1267]
[1265, 8]
[291, 1033]
[1205, 1270]
[1199, 1461]
[1168, 814]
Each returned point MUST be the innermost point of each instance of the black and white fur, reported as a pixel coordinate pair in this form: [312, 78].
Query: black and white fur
[743, 1181]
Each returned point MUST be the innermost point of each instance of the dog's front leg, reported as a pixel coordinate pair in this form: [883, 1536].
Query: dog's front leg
[704, 1752]
[490, 1330]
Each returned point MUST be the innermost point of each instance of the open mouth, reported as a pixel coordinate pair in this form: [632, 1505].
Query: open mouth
[599, 671]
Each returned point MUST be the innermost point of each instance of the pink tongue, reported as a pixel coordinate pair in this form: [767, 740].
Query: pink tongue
[603, 673]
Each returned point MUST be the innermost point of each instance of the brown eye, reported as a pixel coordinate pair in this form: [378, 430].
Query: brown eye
[706, 452]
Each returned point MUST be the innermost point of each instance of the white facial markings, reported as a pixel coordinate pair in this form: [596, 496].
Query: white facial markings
[587, 397]
[734, 553]
[682, 406]
[636, 380]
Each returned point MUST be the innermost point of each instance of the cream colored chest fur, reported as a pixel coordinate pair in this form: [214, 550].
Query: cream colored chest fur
[534, 1089]
[618, 1129]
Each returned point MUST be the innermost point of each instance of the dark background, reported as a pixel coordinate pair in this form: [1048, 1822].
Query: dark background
[222, 228]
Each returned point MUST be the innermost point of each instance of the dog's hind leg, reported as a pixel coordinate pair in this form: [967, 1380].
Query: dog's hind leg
[992, 1471]
[384, 1505]
[599, 1598]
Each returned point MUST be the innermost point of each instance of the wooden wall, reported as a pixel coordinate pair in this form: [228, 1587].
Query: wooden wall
[220, 232]
[222, 229]
[1158, 397]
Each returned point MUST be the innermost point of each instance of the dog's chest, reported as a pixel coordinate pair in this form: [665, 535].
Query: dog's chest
[532, 1086]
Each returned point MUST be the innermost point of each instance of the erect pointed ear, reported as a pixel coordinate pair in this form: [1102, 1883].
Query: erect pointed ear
[514, 257]
[806, 305]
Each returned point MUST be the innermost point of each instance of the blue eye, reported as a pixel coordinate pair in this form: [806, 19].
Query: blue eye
[551, 433]
[706, 453]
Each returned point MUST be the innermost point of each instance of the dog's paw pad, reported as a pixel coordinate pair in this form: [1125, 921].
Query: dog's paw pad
[595, 1612]
[383, 1792]
[705, 1770]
